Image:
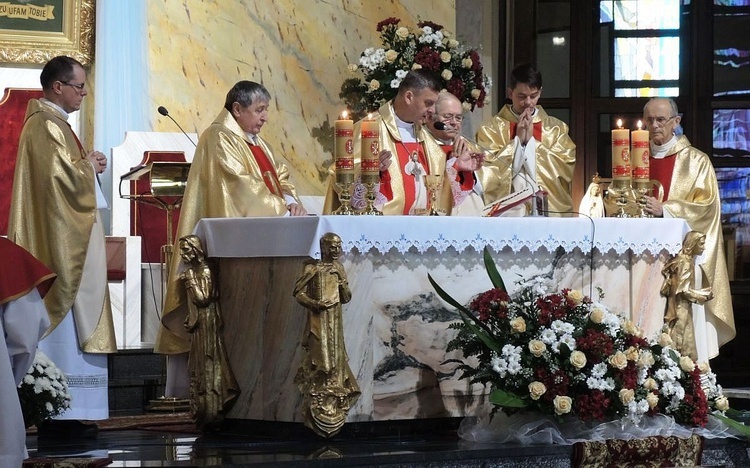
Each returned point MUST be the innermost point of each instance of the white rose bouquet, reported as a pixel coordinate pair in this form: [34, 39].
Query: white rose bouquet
[430, 46]
[43, 391]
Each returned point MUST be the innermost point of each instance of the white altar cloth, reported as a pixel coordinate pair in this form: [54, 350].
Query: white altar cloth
[396, 328]
[299, 236]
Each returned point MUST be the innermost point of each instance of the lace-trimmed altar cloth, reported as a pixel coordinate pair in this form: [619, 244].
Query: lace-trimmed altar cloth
[298, 236]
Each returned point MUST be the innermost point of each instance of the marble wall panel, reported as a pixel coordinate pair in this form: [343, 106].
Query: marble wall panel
[298, 49]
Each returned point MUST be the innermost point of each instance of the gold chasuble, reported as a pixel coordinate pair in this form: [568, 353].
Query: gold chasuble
[52, 215]
[225, 181]
[555, 158]
[390, 139]
[694, 196]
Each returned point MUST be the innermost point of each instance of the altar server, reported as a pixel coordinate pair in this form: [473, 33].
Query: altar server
[233, 174]
[692, 193]
[529, 147]
[54, 214]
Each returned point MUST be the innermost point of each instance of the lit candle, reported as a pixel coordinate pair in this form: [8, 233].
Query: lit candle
[620, 152]
[370, 147]
[639, 154]
[344, 143]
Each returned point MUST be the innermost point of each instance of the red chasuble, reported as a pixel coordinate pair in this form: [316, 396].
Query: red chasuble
[25, 272]
[267, 170]
[464, 178]
[405, 150]
[661, 170]
[537, 130]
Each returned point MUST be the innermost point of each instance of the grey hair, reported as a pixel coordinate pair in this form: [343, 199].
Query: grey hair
[246, 93]
[672, 104]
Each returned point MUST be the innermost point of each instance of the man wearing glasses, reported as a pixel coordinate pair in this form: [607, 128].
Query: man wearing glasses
[691, 192]
[530, 149]
[466, 188]
[54, 214]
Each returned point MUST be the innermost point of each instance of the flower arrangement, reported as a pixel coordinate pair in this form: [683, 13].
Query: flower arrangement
[564, 355]
[43, 392]
[431, 47]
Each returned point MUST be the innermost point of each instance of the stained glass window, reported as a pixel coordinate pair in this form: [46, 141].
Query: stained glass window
[731, 133]
[731, 50]
[645, 46]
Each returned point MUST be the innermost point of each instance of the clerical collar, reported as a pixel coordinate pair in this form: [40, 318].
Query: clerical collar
[533, 114]
[252, 137]
[405, 129]
[662, 151]
[59, 109]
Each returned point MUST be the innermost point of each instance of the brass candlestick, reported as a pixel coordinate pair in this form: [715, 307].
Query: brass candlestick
[432, 182]
[641, 189]
[370, 181]
[621, 190]
[344, 183]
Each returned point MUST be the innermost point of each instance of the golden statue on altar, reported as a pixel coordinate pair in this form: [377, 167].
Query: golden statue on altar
[679, 289]
[213, 388]
[324, 377]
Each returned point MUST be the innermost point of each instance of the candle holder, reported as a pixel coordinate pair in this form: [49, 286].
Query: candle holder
[370, 181]
[621, 190]
[433, 182]
[642, 188]
[344, 183]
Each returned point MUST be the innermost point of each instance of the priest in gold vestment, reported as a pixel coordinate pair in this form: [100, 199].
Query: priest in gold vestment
[54, 215]
[692, 193]
[529, 147]
[233, 174]
[402, 135]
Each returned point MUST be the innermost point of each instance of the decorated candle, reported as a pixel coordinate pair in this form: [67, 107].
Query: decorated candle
[639, 153]
[370, 147]
[344, 138]
[620, 152]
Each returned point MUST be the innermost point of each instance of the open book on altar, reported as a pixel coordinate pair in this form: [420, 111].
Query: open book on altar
[504, 205]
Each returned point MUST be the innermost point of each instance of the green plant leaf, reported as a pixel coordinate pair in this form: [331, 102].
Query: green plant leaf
[489, 264]
[740, 427]
[471, 322]
[506, 399]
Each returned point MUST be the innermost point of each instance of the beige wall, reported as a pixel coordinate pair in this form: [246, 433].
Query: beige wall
[299, 49]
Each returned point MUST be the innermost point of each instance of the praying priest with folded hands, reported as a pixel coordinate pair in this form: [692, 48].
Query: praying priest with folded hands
[530, 149]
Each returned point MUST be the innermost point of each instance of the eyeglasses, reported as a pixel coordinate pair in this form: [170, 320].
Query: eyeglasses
[454, 117]
[79, 86]
[659, 120]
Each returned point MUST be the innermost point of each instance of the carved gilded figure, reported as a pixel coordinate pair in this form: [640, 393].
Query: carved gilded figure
[324, 378]
[679, 288]
[213, 388]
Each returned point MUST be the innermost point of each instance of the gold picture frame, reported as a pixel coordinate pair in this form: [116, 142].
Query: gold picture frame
[34, 31]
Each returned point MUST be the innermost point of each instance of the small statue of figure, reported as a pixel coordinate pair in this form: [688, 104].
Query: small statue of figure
[678, 288]
[213, 387]
[324, 377]
[592, 203]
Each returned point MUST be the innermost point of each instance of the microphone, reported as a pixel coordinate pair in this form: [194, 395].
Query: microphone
[538, 198]
[163, 111]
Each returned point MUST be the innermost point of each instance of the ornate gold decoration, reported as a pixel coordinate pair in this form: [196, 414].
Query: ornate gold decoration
[324, 377]
[76, 39]
[678, 288]
[213, 388]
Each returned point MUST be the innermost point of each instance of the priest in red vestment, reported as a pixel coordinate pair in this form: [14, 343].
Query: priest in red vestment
[691, 192]
[233, 174]
[402, 140]
[23, 320]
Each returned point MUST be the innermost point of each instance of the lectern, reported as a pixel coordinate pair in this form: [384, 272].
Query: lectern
[166, 181]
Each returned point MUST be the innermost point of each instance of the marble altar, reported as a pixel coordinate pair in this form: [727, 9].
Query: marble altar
[396, 327]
